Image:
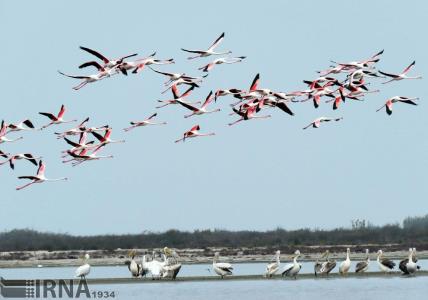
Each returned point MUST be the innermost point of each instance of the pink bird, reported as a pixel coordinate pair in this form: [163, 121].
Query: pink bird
[38, 178]
[192, 133]
[73, 131]
[402, 75]
[317, 122]
[80, 145]
[199, 110]
[176, 96]
[23, 125]
[3, 131]
[145, 122]
[249, 114]
[108, 63]
[27, 156]
[224, 60]
[104, 140]
[210, 51]
[83, 156]
[391, 101]
[56, 119]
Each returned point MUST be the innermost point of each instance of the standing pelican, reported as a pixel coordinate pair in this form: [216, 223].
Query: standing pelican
[222, 269]
[273, 266]
[171, 265]
[84, 269]
[324, 267]
[133, 267]
[294, 268]
[385, 265]
[362, 266]
[408, 265]
[346, 264]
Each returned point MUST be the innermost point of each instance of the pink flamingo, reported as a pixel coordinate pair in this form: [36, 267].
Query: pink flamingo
[15, 157]
[104, 140]
[199, 110]
[108, 63]
[210, 51]
[317, 122]
[145, 122]
[248, 114]
[224, 60]
[402, 75]
[176, 96]
[59, 119]
[3, 138]
[391, 101]
[23, 125]
[38, 178]
[192, 133]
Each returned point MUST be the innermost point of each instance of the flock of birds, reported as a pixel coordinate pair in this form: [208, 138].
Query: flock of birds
[169, 265]
[248, 105]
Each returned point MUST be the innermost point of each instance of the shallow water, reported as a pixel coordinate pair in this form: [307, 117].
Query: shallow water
[186, 270]
[379, 288]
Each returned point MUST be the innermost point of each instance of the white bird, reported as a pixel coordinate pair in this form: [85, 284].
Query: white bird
[402, 75]
[171, 266]
[3, 138]
[135, 124]
[273, 267]
[317, 122]
[223, 60]
[221, 269]
[346, 264]
[385, 265]
[199, 110]
[84, 269]
[294, 268]
[23, 125]
[411, 266]
[210, 51]
[38, 178]
[133, 267]
[363, 266]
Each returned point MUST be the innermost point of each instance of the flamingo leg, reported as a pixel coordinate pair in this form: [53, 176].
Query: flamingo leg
[25, 185]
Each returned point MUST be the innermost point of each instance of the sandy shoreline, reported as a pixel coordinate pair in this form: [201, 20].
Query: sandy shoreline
[187, 256]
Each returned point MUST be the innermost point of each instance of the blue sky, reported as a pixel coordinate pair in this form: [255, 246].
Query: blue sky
[255, 175]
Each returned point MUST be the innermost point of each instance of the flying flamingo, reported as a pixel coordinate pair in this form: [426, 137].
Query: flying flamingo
[84, 156]
[210, 51]
[175, 76]
[104, 140]
[235, 92]
[317, 122]
[3, 138]
[224, 60]
[140, 64]
[56, 119]
[23, 125]
[27, 156]
[402, 75]
[176, 96]
[145, 122]
[88, 79]
[192, 133]
[248, 114]
[108, 63]
[82, 144]
[402, 99]
[366, 63]
[38, 178]
[199, 110]
[73, 131]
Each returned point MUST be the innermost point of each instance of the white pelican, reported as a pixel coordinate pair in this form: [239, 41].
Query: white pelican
[171, 265]
[84, 269]
[385, 265]
[222, 269]
[408, 266]
[133, 267]
[294, 268]
[154, 266]
[346, 264]
[362, 266]
[324, 267]
[273, 267]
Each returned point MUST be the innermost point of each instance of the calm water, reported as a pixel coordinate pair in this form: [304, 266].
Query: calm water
[379, 288]
[186, 270]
